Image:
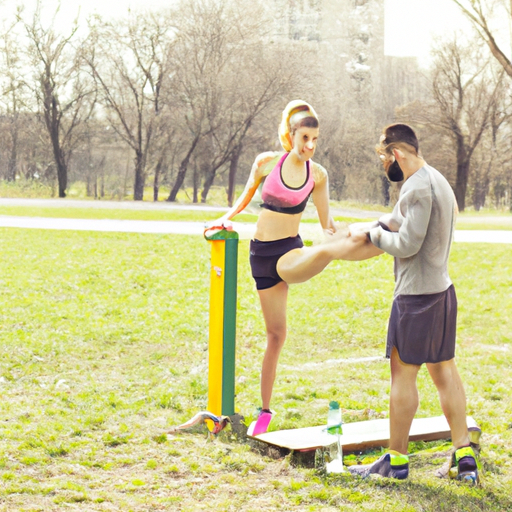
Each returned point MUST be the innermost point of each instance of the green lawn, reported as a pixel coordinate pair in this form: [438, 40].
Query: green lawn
[107, 213]
[127, 214]
[468, 220]
[104, 342]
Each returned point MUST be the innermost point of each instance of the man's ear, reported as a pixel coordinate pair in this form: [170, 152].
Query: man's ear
[397, 153]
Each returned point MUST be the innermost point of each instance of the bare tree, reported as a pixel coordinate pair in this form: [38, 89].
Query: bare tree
[12, 96]
[130, 61]
[63, 90]
[465, 93]
[493, 151]
[480, 14]
[201, 32]
[268, 77]
[229, 73]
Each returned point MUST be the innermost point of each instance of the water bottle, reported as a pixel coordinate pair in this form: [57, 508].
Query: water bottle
[334, 424]
[335, 427]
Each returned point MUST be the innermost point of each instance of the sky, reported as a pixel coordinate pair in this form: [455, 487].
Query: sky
[410, 25]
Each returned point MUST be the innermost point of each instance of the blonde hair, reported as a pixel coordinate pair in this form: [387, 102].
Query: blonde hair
[296, 114]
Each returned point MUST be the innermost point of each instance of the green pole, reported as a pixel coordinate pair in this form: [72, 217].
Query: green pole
[228, 362]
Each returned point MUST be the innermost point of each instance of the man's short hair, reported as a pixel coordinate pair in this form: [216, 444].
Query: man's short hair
[397, 134]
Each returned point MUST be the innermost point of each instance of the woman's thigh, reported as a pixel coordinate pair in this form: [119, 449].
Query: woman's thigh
[273, 305]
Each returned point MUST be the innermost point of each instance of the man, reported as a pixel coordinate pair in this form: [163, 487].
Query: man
[418, 233]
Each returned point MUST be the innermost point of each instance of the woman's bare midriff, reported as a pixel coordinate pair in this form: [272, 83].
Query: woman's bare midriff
[275, 226]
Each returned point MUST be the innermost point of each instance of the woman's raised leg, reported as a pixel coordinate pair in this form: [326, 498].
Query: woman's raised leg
[299, 265]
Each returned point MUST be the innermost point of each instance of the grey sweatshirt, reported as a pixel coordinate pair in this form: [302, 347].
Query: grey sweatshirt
[421, 231]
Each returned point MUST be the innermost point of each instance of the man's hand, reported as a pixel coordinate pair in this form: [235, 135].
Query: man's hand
[358, 235]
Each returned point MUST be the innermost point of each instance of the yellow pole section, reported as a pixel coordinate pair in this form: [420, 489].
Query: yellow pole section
[218, 263]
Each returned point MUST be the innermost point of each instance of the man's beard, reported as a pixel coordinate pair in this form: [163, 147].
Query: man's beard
[394, 172]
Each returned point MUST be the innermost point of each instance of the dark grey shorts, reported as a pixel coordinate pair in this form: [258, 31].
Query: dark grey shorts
[264, 257]
[422, 327]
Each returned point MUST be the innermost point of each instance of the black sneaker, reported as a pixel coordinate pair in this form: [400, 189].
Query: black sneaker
[391, 465]
[465, 466]
[449, 468]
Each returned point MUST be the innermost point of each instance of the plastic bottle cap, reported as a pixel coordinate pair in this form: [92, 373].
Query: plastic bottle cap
[334, 405]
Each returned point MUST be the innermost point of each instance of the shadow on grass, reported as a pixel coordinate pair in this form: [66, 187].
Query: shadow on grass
[446, 495]
[412, 494]
[419, 492]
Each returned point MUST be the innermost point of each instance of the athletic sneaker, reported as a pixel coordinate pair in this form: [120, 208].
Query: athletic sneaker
[260, 426]
[464, 465]
[449, 469]
[391, 465]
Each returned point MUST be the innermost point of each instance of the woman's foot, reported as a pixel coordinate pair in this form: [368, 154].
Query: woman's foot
[260, 426]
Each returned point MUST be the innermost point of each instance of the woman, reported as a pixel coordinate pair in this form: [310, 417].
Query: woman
[277, 255]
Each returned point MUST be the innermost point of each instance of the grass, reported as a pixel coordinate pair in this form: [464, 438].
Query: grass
[127, 214]
[121, 214]
[485, 220]
[104, 342]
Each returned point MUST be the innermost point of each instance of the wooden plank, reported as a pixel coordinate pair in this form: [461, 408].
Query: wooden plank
[357, 436]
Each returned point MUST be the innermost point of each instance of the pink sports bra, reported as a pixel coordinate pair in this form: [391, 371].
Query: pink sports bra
[279, 197]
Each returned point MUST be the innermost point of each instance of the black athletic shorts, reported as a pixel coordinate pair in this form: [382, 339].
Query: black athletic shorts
[422, 327]
[264, 257]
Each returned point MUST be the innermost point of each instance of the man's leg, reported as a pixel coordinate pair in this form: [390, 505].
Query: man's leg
[452, 397]
[453, 402]
[403, 402]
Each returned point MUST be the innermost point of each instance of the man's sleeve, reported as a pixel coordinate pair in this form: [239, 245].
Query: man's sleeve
[412, 214]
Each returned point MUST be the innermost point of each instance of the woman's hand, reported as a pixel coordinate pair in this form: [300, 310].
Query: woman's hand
[220, 223]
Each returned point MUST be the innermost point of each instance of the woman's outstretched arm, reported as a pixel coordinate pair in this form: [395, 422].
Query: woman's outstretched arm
[258, 171]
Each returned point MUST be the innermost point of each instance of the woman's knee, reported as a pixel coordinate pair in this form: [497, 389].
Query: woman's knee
[276, 337]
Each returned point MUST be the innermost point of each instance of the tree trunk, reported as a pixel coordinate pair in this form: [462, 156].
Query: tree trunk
[461, 184]
[62, 176]
[208, 182]
[180, 178]
[60, 161]
[156, 181]
[386, 197]
[480, 193]
[89, 186]
[13, 158]
[140, 178]
[233, 168]
[195, 179]
[52, 120]
[482, 184]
